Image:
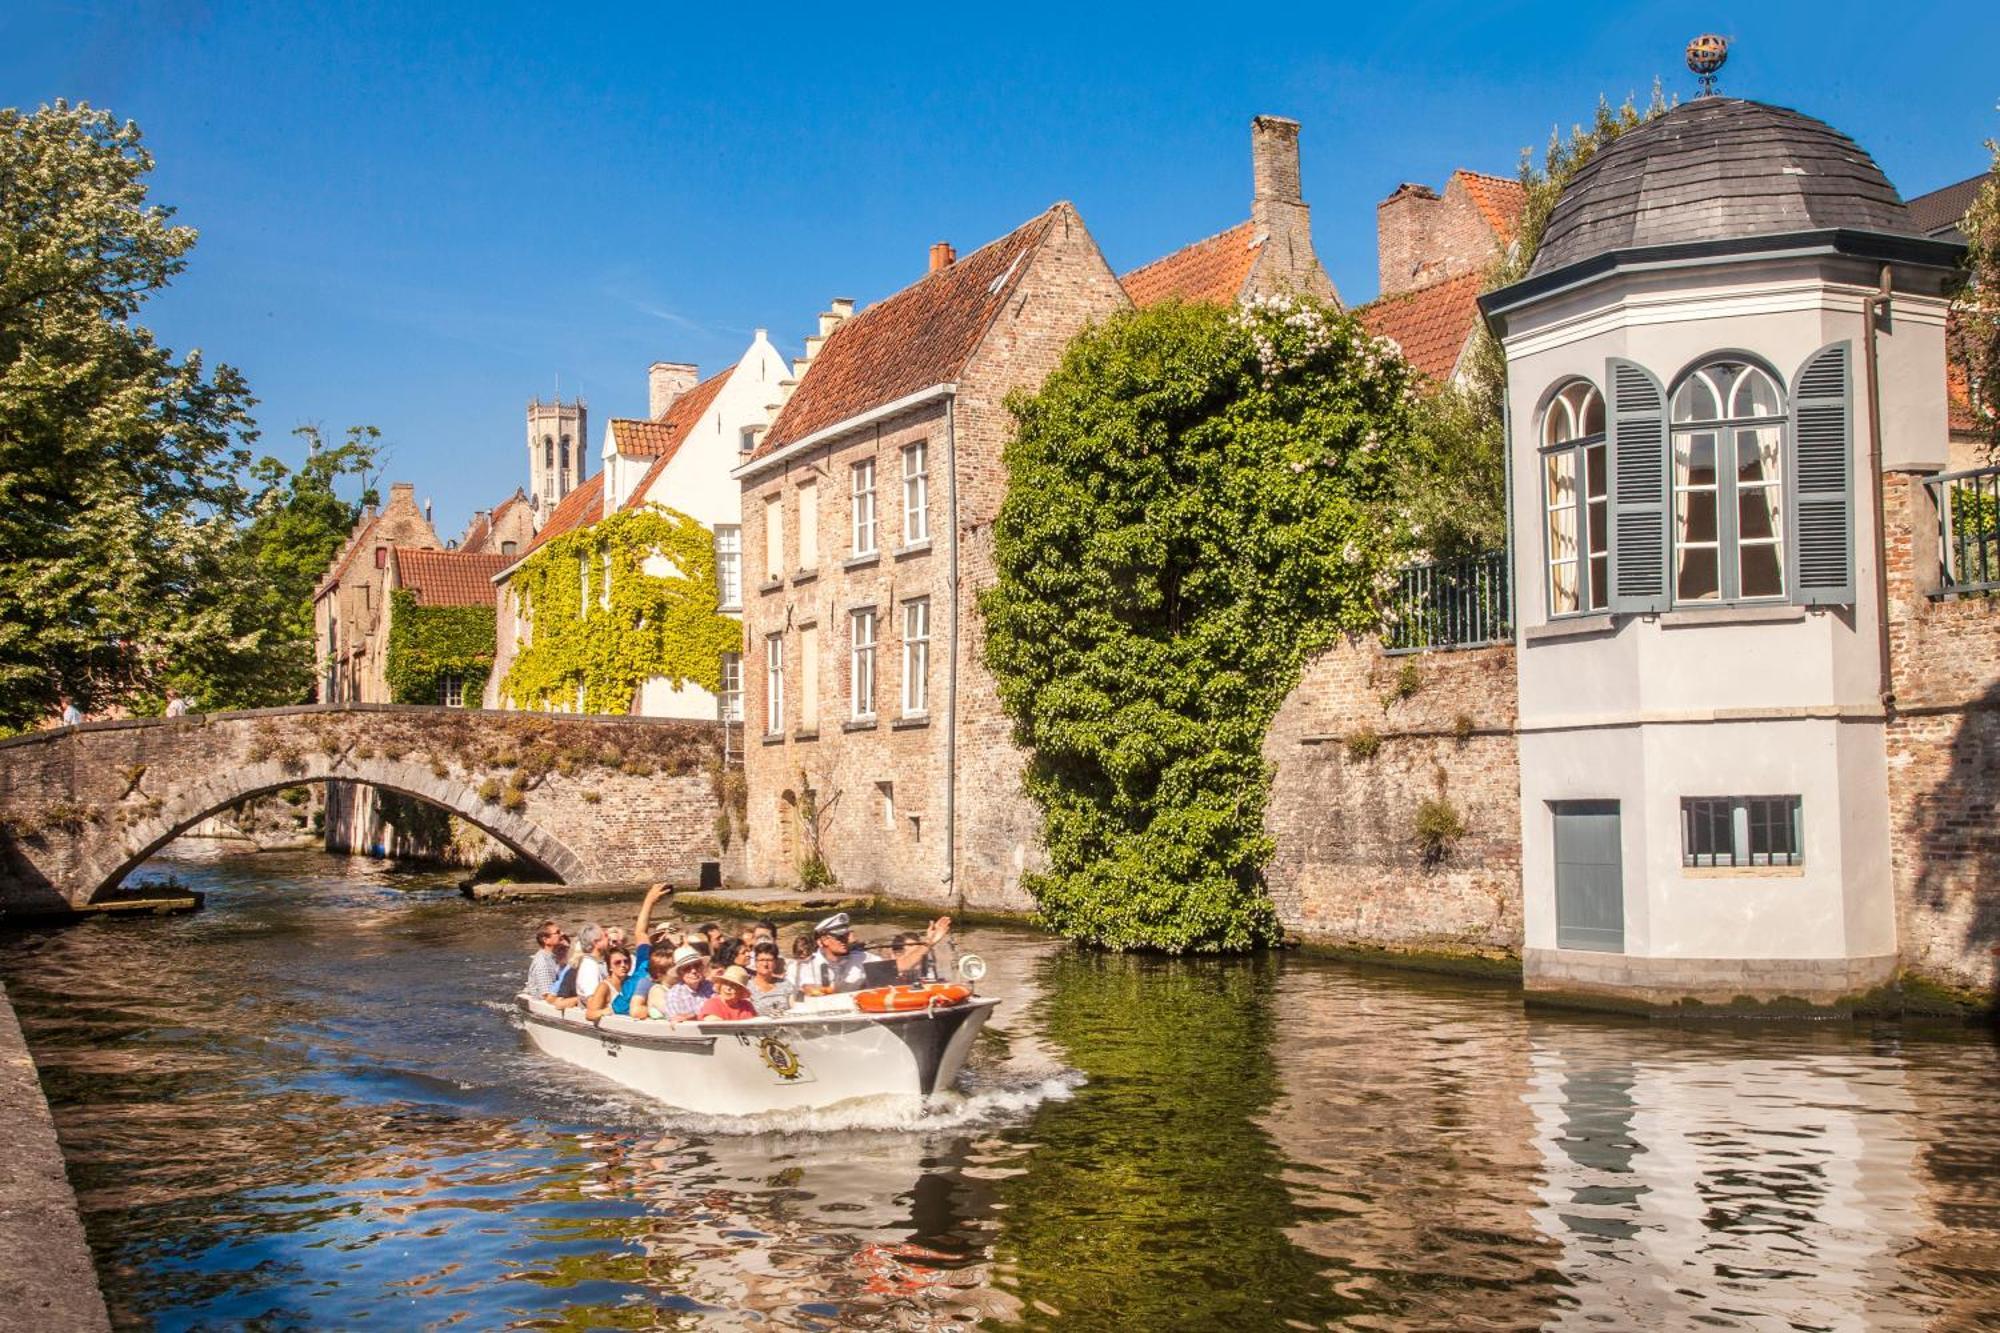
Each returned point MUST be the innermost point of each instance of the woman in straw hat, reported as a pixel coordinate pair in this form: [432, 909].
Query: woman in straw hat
[732, 997]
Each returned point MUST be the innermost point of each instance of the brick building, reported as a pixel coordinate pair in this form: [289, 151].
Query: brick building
[350, 630]
[870, 503]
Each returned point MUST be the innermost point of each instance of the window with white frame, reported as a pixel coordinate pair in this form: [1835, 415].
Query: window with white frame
[729, 567]
[1741, 831]
[916, 656]
[809, 526]
[1576, 500]
[809, 678]
[861, 664]
[774, 538]
[1728, 422]
[774, 684]
[746, 440]
[864, 507]
[916, 494]
[451, 691]
[729, 702]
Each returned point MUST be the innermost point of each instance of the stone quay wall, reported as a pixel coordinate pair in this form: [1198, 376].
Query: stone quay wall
[1357, 749]
[1943, 742]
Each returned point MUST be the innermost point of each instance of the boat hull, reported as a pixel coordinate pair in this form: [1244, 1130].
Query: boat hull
[767, 1064]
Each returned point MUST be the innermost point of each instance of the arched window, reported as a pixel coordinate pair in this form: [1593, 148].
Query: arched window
[1574, 498]
[1728, 424]
[565, 453]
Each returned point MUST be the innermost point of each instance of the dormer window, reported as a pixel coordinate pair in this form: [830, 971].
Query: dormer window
[1575, 498]
[1728, 424]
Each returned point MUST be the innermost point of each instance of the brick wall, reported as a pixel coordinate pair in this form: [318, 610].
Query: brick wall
[1943, 743]
[1422, 238]
[1348, 869]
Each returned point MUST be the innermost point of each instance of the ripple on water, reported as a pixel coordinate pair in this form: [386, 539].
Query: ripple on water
[309, 1105]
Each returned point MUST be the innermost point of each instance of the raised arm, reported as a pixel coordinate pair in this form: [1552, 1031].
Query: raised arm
[653, 895]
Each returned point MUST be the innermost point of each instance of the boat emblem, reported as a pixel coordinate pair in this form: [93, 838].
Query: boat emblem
[781, 1058]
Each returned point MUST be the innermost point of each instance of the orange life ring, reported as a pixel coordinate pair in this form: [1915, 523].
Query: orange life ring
[901, 999]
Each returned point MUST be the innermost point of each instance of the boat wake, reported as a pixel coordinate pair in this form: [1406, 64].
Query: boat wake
[947, 1111]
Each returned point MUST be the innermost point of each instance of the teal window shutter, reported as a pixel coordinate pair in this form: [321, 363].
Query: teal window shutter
[1823, 479]
[1638, 436]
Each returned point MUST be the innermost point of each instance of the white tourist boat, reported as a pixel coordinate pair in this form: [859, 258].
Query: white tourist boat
[825, 1050]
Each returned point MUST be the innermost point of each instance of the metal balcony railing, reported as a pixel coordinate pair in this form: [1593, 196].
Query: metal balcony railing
[1968, 506]
[1462, 603]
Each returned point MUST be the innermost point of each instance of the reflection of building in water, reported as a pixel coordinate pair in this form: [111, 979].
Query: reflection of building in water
[1410, 1151]
[1745, 1192]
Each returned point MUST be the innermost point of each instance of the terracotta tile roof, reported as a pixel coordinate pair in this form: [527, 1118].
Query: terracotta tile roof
[660, 439]
[579, 509]
[1430, 324]
[921, 336]
[448, 578]
[1499, 200]
[1213, 269]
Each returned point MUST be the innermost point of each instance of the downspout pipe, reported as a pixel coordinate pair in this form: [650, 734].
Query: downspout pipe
[951, 677]
[1878, 311]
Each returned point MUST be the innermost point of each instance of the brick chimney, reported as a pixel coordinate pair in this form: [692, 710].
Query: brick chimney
[666, 381]
[1403, 226]
[1283, 222]
[942, 255]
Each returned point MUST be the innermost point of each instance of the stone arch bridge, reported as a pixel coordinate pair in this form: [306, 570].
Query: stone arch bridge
[588, 799]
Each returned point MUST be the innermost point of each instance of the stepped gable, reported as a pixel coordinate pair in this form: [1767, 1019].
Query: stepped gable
[579, 509]
[1213, 269]
[355, 541]
[1431, 324]
[1718, 168]
[922, 336]
[661, 440]
[448, 578]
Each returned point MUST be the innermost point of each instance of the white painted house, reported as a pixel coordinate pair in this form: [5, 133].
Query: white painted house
[1694, 363]
[678, 458]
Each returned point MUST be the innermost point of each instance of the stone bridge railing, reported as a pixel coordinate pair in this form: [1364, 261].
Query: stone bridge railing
[589, 799]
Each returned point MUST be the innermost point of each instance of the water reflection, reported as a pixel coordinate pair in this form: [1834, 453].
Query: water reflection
[306, 1106]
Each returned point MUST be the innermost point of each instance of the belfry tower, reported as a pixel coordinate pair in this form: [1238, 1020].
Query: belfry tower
[558, 457]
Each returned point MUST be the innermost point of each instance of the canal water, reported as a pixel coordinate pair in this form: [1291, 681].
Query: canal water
[308, 1106]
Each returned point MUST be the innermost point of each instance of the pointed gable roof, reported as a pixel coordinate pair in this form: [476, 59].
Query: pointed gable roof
[447, 578]
[1431, 323]
[1213, 269]
[662, 438]
[922, 336]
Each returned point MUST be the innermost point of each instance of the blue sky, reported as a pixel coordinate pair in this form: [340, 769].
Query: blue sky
[418, 216]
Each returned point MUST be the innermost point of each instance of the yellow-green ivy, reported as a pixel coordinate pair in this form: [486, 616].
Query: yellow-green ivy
[648, 625]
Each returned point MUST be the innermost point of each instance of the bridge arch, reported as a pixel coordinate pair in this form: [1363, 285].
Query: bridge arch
[216, 792]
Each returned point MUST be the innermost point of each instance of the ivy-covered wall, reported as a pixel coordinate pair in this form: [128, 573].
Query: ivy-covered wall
[601, 624]
[429, 643]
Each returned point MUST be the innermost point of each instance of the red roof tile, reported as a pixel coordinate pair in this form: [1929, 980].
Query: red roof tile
[448, 578]
[659, 439]
[921, 336]
[1431, 324]
[1498, 200]
[1213, 269]
[579, 509]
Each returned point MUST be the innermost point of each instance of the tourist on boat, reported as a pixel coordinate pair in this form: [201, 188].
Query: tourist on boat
[691, 988]
[649, 999]
[726, 953]
[644, 937]
[769, 990]
[802, 949]
[838, 965]
[731, 1001]
[711, 935]
[916, 954]
[617, 965]
[592, 943]
[545, 968]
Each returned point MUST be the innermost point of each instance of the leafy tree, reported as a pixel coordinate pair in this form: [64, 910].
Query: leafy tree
[1975, 336]
[298, 523]
[120, 464]
[1198, 499]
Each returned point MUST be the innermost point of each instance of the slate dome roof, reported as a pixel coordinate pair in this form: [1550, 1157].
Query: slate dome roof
[1718, 168]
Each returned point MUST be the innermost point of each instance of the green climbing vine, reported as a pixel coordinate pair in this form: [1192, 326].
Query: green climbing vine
[427, 644]
[602, 624]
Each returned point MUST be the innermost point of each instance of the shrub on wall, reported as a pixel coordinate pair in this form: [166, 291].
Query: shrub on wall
[429, 643]
[1198, 499]
[602, 625]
